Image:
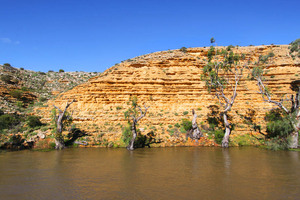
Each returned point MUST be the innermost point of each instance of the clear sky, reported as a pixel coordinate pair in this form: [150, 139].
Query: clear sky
[93, 35]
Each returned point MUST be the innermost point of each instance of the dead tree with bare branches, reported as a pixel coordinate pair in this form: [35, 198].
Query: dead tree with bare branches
[59, 119]
[194, 133]
[292, 110]
[133, 126]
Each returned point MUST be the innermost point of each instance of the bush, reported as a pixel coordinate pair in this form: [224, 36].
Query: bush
[186, 124]
[7, 121]
[185, 112]
[16, 94]
[126, 134]
[219, 134]
[281, 128]
[6, 78]
[183, 49]
[279, 123]
[61, 70]
[33, 121]
[277, 143]
[177, 125]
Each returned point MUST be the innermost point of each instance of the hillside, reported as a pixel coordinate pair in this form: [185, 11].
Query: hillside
[169, 82]
[21, 88]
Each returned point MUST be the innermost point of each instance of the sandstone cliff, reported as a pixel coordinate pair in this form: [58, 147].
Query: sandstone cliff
[169, 82]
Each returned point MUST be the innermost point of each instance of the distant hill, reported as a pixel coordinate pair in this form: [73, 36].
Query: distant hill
[20, 88]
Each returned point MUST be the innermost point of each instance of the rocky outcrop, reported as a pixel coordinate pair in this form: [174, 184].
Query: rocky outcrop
[170, 83]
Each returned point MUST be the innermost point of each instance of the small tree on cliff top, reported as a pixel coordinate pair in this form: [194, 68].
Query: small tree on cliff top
[133, 115]
[222, 76]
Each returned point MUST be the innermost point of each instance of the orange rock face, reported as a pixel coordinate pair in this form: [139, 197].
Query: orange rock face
[169, 82]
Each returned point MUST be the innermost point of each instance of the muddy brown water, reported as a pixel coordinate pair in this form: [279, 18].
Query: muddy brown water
[155, 173]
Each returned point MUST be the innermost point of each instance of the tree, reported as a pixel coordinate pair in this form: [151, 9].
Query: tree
[292, 111]
[194, 133]
[295, 48]
[183, 49]
[59, 124]
[222, 76]
[132, 116]
[212, 40]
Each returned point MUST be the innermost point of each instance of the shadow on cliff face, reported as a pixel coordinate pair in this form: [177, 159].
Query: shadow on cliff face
[17, 142]
[145, 140]
[73, 135]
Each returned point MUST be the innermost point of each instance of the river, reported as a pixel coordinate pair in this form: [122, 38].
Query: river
[150, 173]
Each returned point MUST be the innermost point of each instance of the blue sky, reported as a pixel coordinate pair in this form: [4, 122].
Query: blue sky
[93, 35]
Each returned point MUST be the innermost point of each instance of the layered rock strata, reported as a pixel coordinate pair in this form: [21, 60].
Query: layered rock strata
[170, 83]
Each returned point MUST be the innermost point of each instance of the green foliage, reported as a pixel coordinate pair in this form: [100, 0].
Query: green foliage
[16, 94]
[210, 53]
[212, 40]
[183, 49]
[219, 134]
[229, 47]
[126, 134]
[277, 143]
[132, 111]
[33, 121]
[61, 70]
[6, 78]
[8, 120]
[7, 64]
[118, 107]
[279, 127]
[177, 125]
[256, 72]
[20, 104]
[185, 112]
[295, 48]
[186, 124]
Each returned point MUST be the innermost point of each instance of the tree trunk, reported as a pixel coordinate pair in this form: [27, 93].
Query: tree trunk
[59, 142]
[59, 139]
[134, 135]
[293, 143]
[196, 131]
[225, 141]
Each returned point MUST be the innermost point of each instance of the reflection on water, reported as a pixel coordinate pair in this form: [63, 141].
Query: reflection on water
[157, 173]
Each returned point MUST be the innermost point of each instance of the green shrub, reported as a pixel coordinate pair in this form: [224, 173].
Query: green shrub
[177, 125]
[61, 70]
[279, 123]
[183, 49]
[277, 143]
[16, 94]
[186, 124]
[118, 107]
[219, 134]
[126, 134]
[7, 121]
[185, 112]
[6, 78]
[33, 121]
